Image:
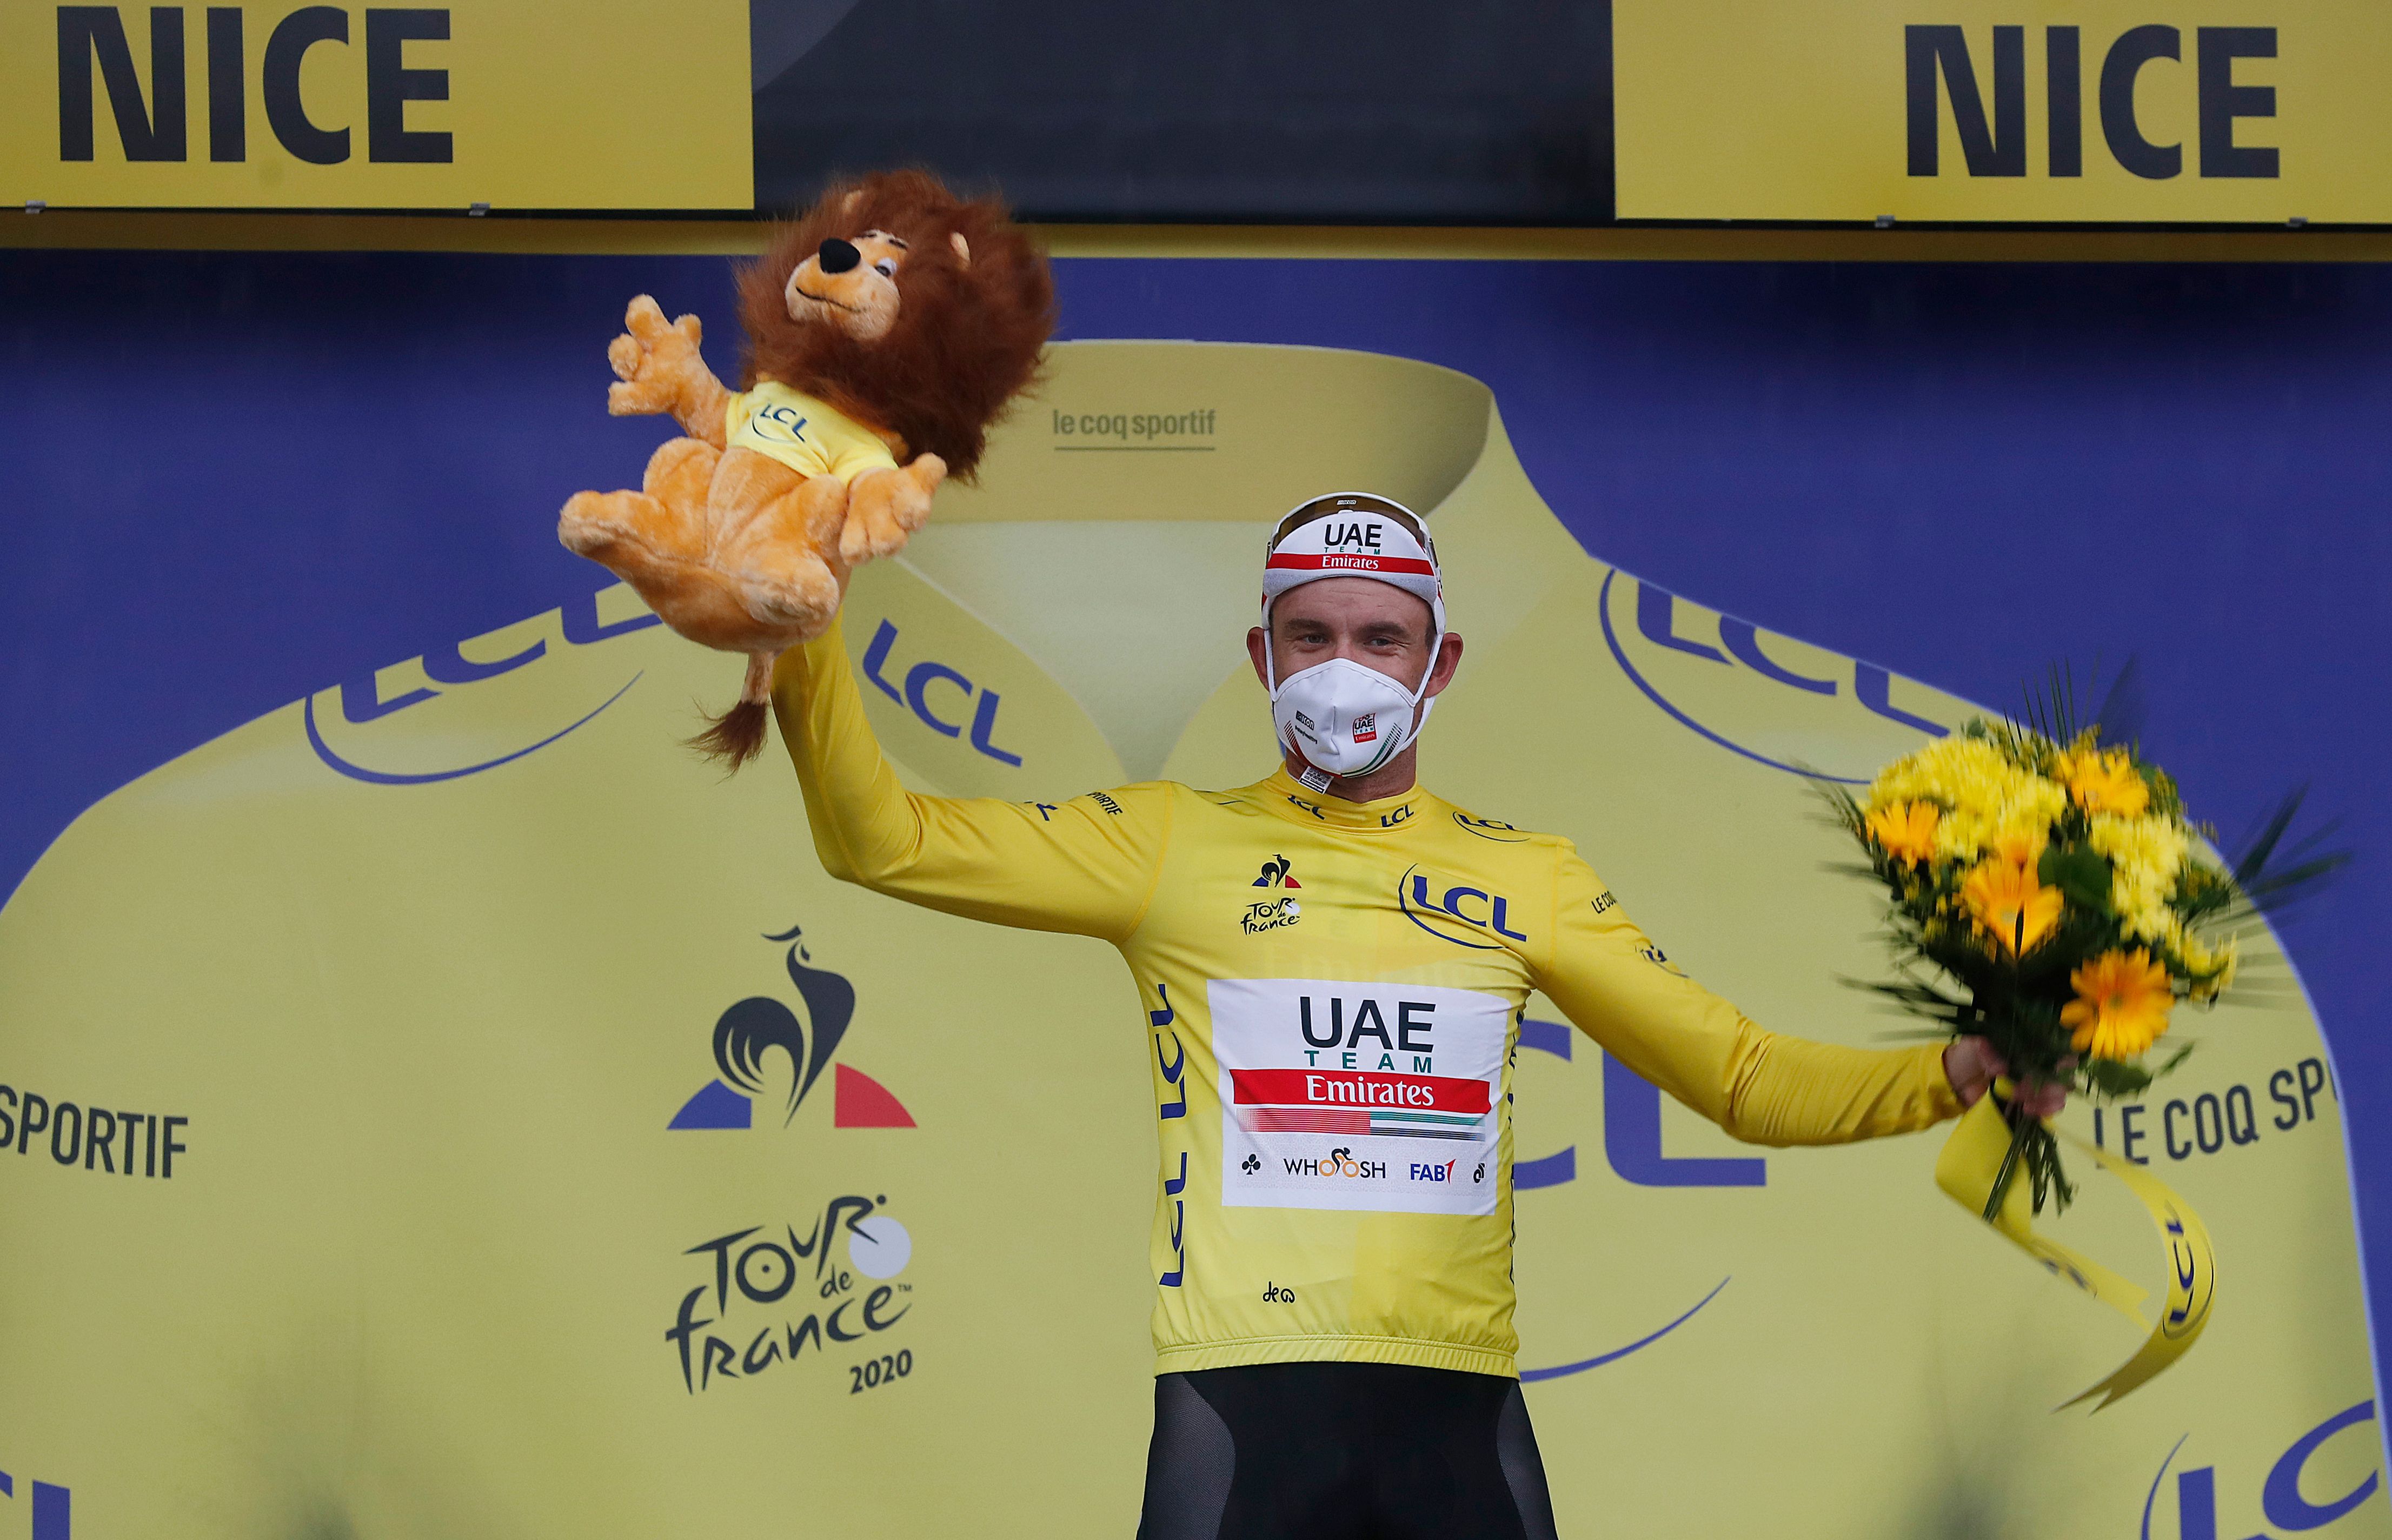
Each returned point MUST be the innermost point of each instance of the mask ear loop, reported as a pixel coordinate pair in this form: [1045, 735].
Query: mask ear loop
[1311, 775]
[1421, 702]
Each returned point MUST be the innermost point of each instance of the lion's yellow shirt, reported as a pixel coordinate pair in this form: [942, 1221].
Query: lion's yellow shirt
[802, 433]
[1334, 991]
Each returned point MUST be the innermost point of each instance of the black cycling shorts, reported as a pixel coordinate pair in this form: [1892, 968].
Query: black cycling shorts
[1343, 1452]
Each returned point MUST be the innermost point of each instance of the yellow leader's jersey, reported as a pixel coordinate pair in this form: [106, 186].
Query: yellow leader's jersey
[803, 432]
[1335, 990]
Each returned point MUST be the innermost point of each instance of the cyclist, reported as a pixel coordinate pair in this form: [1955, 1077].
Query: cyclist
[1335, 962]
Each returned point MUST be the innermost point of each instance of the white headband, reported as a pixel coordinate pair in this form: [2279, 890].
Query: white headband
[1352, 535]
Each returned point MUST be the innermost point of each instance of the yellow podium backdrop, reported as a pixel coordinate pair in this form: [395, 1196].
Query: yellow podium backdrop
[442, 1107]
[510, 104]
[2100, 110]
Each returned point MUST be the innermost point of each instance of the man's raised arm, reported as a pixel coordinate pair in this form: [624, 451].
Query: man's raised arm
[1620, 990]
[1086, 867]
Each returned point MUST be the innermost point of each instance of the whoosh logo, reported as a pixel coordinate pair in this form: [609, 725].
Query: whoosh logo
[1338, 1164]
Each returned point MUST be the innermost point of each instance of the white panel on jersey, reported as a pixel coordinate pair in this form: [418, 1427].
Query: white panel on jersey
[1358, 1096]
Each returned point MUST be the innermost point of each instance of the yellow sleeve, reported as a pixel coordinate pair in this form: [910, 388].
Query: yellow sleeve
[1622, 991]
[1086, 867]
[857, 453]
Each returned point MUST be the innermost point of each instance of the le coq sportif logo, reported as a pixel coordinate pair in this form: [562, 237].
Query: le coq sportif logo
[748, 1031]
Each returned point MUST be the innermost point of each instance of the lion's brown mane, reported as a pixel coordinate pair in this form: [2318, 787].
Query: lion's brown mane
[966, 337]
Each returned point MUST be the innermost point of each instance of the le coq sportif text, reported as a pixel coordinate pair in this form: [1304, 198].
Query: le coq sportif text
[1128, 427]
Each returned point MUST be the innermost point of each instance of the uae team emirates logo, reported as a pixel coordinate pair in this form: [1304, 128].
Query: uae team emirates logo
[1399, 1106]
[1337, 1094]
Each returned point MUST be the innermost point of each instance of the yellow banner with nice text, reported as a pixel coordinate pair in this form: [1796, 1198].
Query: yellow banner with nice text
[2109, 111]
[608, 104]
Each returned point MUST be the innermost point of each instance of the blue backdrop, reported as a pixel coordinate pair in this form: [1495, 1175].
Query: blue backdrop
[247, 476]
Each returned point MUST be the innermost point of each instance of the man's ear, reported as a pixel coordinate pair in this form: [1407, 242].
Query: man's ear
[1258, 651]
[1449, 657]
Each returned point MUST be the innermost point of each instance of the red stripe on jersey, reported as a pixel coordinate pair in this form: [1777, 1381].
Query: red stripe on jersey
[1321, 1088]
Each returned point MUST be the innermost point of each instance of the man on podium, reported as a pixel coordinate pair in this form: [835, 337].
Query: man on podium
[1342, 959]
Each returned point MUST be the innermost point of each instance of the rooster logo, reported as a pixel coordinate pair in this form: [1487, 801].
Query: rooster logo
[1278, 872]
[751, 1029]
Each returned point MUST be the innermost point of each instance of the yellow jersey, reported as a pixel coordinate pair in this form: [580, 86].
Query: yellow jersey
[1334, 992]
[802, 433]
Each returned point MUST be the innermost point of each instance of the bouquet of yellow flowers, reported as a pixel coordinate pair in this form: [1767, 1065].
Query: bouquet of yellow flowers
[2055, 881]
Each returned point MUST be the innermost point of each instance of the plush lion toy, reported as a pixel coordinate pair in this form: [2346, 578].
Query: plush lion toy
[886, 329]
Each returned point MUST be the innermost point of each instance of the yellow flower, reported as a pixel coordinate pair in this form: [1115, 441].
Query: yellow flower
[2146, 855]
[2121, 1006]
[2212, 967]
[2105, 782]
[1963, 774]
[2010, 904]
[1962, 835]
[1905, 830]
[2022, 844]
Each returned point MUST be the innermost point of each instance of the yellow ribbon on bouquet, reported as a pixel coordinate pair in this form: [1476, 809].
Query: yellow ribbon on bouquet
[1972, 1158]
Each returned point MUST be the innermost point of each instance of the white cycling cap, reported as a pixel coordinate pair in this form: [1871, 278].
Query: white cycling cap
[1354, 535]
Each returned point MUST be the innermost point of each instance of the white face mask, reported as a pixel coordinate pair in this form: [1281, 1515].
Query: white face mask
[1346, 718]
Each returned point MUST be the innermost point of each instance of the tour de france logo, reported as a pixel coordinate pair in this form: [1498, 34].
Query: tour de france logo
[749, 1030]
[827, 1285]
[1270, 914]
[779, 1296]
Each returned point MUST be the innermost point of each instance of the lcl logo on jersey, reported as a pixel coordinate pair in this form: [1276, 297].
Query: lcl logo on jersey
[1452, 909]
[1490, 828]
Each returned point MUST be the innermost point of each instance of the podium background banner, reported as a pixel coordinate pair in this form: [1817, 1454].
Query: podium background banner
[1402, 111]
[399, 950]
[2108, 111]
[603, 104]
